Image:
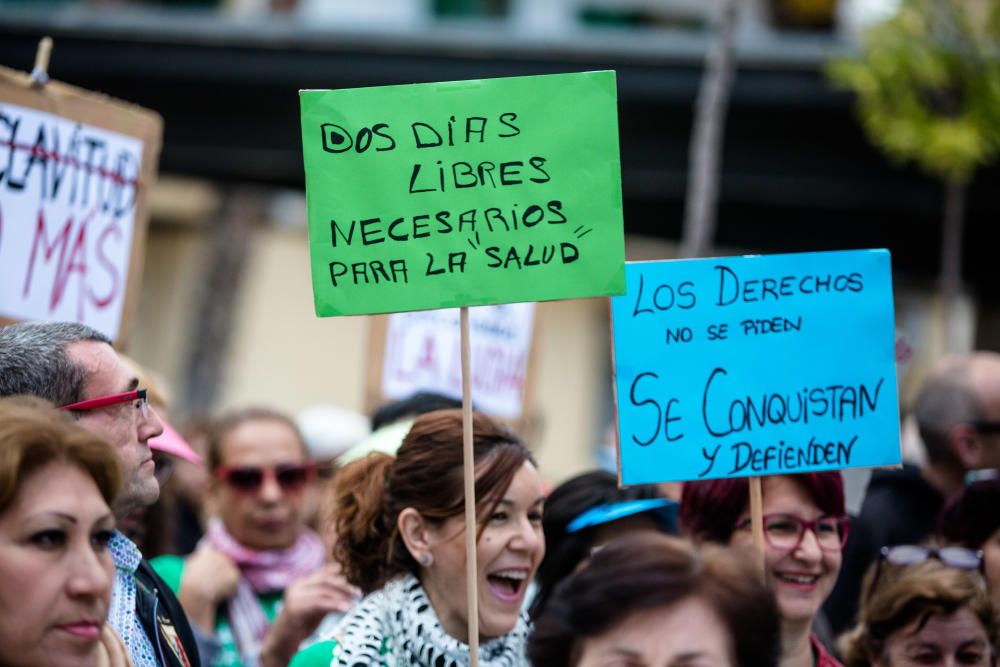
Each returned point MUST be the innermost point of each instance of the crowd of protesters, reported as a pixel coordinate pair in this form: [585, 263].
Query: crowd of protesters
[267, 557]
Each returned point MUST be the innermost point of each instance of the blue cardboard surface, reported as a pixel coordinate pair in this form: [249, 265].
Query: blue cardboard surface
[757, 365]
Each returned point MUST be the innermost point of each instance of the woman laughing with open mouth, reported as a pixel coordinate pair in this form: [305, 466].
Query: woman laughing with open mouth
[401, 539]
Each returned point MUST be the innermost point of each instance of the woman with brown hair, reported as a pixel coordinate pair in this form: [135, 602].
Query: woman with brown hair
[649, 599]
[57, 484]
[924, 607]
[401, 538]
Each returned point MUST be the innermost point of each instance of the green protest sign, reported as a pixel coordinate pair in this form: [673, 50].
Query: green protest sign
[463, 193]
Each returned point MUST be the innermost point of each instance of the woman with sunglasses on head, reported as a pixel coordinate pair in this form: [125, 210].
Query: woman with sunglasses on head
[805, 528]
[924, 607]
[257, 555]
[401, 537]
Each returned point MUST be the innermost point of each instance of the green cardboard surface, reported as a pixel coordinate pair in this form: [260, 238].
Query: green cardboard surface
[463, 193]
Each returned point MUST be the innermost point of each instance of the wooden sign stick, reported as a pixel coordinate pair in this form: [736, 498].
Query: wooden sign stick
[471, 571]
[757, 524]
[40, 72]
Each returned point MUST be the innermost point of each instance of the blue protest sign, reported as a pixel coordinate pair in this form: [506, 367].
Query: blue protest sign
[759, 365]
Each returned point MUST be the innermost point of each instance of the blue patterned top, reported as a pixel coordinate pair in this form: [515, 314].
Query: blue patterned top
[122, 615]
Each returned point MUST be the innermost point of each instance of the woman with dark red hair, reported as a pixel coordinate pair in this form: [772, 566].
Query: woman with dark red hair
[805, 528]
[972, 519]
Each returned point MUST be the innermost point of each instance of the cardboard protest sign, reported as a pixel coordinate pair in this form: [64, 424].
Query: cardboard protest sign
[422, 353]
[75, 172]
[745, 366]
[463, 193]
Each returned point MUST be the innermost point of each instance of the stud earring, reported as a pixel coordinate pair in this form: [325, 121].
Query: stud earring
[426, 559]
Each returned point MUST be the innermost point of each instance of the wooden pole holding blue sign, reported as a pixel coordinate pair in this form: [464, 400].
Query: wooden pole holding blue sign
[460, 194]
[757, 523]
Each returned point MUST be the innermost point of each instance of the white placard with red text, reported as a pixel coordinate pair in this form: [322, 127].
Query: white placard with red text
[67, 215]
[423, 353]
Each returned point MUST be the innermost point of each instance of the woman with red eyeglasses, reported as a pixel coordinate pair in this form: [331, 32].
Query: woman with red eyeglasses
[257, 555]
[805, 528]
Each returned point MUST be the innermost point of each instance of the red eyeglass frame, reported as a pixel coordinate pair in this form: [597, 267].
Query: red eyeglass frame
[112, 399]
[843, 521]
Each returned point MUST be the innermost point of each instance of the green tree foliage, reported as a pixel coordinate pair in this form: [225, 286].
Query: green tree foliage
[928, 85]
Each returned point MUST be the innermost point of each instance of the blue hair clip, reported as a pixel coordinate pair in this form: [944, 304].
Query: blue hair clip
[664, 510]
[981, 475]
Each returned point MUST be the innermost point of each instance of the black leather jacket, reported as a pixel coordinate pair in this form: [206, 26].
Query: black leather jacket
[163, 619]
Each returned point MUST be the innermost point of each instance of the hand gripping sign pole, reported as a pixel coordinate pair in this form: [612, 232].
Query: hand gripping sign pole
[471, 572]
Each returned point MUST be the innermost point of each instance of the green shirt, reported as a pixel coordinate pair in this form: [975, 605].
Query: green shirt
[319, 654]
[171, 569]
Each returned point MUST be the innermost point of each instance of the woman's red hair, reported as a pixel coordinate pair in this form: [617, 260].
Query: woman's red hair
[710, 508]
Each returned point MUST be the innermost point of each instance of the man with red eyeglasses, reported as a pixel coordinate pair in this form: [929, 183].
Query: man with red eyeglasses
[76, 368]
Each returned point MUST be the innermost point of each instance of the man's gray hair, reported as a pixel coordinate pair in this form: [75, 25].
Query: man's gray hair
[946, 400]
[33, 360]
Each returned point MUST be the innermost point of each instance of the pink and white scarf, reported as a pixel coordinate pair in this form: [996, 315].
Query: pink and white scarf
[269, 571]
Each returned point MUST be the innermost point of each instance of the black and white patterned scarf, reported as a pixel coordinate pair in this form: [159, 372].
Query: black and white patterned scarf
[396, 627]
